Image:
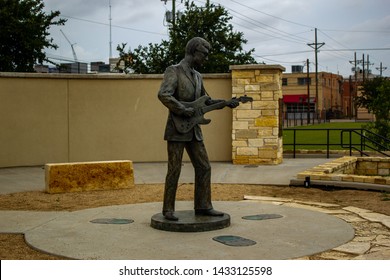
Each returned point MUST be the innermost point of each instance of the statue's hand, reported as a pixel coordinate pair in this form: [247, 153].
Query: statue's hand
[209, 101]
[188, 112]
[233, 103]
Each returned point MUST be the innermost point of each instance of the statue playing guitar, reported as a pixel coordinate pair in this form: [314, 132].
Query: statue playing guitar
[183, 93]
[184, 125]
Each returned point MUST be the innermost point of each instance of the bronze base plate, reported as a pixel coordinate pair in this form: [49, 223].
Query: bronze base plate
[189, 222]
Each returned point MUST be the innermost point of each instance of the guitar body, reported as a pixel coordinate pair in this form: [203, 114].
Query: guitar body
[185, 124]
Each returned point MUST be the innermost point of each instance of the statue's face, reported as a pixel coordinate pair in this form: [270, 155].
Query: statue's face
[200, 56]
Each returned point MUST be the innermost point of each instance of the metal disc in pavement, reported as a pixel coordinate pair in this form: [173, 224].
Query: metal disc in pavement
[232, 240]
[112, 221]
[262, 217]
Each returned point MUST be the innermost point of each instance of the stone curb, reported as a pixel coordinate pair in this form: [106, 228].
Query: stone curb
[341, 173]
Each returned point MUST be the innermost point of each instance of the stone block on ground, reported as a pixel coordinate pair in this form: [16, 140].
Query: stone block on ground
[88, 176]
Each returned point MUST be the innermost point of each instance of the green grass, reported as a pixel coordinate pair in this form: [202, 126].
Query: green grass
[306, 139]
[385, 196]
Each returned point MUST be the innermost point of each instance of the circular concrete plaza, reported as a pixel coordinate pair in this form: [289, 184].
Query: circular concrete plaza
[297, 233]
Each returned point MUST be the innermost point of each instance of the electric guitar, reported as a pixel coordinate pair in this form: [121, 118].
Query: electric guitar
[185, 124]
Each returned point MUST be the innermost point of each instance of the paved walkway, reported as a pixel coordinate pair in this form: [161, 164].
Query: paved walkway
[21, 179]
[304, 228]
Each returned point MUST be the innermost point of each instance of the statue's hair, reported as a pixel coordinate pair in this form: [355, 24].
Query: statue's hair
[197, 43]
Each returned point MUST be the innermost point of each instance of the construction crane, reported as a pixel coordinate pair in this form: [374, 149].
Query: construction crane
[71, 45]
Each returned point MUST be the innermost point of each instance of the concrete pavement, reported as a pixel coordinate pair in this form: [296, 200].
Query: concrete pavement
[297, 233]
[19, 179]
[304, 229]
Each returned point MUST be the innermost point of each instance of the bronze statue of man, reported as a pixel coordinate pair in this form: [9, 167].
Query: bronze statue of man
[183, 84]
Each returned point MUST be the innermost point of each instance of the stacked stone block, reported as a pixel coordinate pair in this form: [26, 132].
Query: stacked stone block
[373, 166]
[369, 170]
[256, 137]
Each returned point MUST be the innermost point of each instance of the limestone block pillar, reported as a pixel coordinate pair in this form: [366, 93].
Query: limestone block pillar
[257, 137]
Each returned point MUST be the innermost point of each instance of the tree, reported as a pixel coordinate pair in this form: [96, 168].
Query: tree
[211, 23]
[147, 60]
[375, 97]
[24, 34]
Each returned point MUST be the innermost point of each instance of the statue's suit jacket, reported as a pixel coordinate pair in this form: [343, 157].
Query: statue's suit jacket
[180, 83]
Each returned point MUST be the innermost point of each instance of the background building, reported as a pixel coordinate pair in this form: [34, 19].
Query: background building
[351, 89]
[300, 100]
[76, 67]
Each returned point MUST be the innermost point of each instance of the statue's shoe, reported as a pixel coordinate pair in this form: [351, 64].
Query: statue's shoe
[208, 212]
[170, 216]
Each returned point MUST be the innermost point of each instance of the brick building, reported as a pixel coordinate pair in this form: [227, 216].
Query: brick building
[299, 95]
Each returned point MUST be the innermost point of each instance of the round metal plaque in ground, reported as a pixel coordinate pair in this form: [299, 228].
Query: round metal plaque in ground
[189, 222]
[262, 217]
[112, 221]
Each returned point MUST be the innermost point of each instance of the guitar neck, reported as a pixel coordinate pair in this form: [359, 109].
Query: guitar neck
[215, 106]
[224, 103]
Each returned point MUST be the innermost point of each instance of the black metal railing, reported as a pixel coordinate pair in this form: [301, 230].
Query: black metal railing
[373, 142]
[360, 140]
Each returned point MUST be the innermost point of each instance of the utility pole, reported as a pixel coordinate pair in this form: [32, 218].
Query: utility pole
[173, 12]
[364, 69]
[381, 69]
[308, 90]
[368, 66]
[110, 19]
[316, 46]
[354, 112]
[353, 89]
[350, 97]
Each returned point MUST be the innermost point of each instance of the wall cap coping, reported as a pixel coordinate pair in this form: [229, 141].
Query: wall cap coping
[102, 76]
[258, 67]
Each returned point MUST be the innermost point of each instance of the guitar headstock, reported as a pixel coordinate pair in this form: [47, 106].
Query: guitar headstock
[245, 99]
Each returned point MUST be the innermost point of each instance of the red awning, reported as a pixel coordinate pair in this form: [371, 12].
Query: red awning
[297, 98]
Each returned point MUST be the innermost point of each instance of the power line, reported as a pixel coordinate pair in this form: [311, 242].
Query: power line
[263, 40]
[336, 52]
[265, 26]
[291, 37]
[337, 42]
[289, 21]
[358, 49]
[357, 31]
[333, 39]
[287, 53]
[116, 26]
[269, 35]
[278, 61]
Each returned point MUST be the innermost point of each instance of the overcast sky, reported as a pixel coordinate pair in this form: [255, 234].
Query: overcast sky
[278, 30]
